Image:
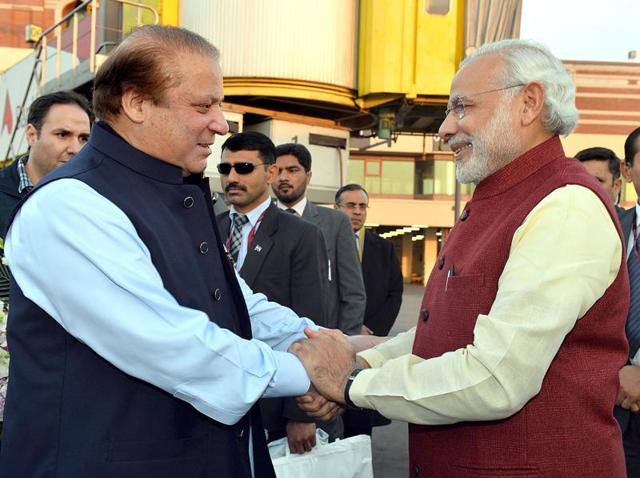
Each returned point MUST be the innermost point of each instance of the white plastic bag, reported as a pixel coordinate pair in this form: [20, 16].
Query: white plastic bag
[349, 458]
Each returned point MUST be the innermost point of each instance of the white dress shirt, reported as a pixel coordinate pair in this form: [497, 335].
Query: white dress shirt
[83, 263]
[254, 217]
[298, 207]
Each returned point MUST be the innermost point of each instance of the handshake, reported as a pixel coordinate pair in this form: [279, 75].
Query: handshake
[329, 358]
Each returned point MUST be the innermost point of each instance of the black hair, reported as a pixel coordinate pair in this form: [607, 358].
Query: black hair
[300, 151]
[41, 106]
[252, 141]
[630, 148]
[349, 187]
[601, 154]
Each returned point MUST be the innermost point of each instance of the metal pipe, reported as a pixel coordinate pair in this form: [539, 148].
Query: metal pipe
[92, 50]
[74, 47]
[43, 70]
[59, 52]
[61, 21]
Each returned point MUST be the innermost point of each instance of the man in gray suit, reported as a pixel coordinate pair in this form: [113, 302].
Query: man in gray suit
[346, 299]
[276, 254]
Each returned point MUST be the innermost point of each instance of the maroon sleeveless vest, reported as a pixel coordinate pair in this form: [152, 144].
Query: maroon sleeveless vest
[568, 429]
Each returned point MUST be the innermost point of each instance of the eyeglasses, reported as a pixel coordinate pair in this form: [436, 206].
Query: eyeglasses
[351, 206]
[457, 104]
[241, 168]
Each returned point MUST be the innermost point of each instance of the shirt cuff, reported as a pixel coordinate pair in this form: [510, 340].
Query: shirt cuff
[635, 360]
[359, 386]
[285, 344]
[374, 358]
[290, 379]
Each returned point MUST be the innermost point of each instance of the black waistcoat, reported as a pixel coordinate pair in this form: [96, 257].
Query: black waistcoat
[70, 413]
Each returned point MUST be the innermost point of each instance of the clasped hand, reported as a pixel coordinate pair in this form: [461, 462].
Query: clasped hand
[629, 391]
[328, 357]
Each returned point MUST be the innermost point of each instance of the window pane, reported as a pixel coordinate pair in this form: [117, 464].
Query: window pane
[373, 167]
[398, 177]
[355, 171]
[372, 184]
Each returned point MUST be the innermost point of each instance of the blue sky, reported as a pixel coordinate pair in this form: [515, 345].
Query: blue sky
[602, 30]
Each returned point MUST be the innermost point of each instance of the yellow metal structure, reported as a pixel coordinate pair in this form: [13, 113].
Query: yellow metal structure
[169, 12]
[404, 50]
[295, 89]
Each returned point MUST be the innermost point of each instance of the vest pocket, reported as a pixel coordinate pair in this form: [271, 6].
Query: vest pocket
[470, 281]
[524, 471]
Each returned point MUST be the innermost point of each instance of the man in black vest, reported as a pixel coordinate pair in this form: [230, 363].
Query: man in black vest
[136, 351]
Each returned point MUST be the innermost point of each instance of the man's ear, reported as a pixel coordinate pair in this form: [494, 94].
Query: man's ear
[617, 186]
[624, 169]
[32, 134]
[532, 106]
[272, 173]
[133, 105]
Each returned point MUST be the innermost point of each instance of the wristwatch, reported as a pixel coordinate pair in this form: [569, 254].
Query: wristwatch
[347, 400]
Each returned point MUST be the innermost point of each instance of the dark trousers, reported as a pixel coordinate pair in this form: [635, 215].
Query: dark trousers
[630, 427]
[360, 422]
[631, 441]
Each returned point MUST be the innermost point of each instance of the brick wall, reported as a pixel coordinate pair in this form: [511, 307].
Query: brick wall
[14, 15]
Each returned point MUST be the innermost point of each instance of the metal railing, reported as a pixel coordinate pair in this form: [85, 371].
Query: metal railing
[42, 52]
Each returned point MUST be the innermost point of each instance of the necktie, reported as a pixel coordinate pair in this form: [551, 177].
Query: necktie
[290, 210]
[239, 220]
[633, 319]
[359, 244]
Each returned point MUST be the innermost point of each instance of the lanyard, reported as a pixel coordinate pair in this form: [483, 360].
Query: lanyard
[252, 232]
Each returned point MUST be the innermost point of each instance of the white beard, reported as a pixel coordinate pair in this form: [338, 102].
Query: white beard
[491, 149]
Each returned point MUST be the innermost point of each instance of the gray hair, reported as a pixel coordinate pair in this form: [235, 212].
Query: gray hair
[528, 61]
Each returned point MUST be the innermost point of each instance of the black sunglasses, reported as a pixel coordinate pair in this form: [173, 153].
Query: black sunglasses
[241, 168]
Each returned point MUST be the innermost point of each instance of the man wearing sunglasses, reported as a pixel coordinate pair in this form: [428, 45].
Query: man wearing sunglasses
[278, 255]
[512, 368]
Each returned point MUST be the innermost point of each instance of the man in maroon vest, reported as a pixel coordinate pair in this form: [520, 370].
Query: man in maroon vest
[512, 369]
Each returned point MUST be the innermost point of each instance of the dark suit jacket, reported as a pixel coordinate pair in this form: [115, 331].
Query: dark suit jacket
[383, 283]
[346, 298]
[9, 197]
[626, 221]
[283, 263]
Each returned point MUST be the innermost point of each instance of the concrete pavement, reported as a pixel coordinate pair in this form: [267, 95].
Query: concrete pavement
[389, 443]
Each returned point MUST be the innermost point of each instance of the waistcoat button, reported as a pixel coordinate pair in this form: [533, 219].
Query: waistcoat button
[441, 263]
[464, 215]
[425, 314]
[204, 247]
[188, 202]
[217, 294]
[416, 470]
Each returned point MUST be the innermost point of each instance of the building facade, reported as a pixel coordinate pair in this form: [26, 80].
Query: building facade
[363, 84]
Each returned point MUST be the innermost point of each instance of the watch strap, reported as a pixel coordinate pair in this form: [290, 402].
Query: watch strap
[347, 400]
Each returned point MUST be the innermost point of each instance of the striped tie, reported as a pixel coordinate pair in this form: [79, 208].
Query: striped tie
[239, 220]
[633, 319]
